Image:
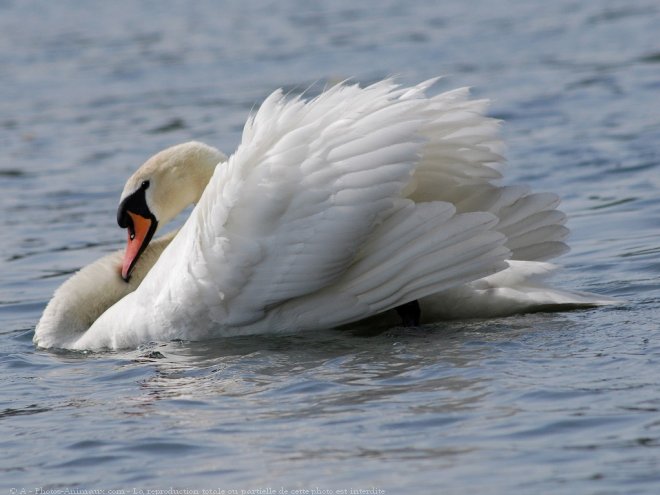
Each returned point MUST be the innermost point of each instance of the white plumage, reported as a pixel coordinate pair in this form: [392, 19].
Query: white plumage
[331, 211]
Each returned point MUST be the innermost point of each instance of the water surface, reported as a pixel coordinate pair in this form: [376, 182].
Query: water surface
[545, 403]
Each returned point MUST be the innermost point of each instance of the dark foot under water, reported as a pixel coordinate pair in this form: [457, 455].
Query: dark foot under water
[410, 314]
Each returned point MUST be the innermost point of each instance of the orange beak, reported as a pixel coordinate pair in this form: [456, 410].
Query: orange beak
[139, 235]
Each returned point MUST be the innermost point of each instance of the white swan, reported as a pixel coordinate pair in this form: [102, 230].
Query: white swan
[332, 210]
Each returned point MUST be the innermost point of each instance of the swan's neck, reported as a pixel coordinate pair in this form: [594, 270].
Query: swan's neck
[79, 301]
[177, 178]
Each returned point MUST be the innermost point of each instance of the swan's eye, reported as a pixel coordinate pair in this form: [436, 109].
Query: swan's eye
[145, 184]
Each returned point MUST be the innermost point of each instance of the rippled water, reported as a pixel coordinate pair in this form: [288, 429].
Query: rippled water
[545, 403]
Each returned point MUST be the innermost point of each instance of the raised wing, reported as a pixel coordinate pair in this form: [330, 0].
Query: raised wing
[460, 164]
[289, 213]
[294, 205]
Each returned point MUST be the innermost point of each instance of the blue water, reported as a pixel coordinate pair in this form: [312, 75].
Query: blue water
[546, 403]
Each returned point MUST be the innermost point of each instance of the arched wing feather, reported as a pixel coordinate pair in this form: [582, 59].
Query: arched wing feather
[293, 206]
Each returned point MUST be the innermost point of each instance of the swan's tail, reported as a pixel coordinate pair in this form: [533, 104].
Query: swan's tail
[521, 288]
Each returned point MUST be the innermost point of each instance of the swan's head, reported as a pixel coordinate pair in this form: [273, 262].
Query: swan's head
[166, 184]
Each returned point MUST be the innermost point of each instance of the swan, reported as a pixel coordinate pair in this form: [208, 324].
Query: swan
[331, 211]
